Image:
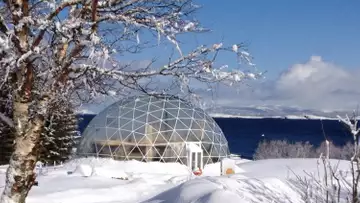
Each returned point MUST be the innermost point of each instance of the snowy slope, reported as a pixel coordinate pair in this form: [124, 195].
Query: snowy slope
[254, 181]
[273, 112]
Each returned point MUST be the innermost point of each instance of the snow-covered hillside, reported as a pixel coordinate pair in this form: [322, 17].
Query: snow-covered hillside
[105, 181]
[273, 112]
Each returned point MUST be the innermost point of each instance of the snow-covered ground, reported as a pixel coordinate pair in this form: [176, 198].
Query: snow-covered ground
[105, 181]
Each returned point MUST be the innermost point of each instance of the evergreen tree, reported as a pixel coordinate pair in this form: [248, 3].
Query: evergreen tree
[6, 134]
[59, 135]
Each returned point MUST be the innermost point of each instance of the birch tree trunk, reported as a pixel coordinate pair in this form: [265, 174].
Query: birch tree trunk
[20, 175]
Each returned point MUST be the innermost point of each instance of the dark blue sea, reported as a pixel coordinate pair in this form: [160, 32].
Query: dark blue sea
[244, 134]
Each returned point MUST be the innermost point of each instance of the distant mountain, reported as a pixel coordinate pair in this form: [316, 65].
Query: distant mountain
[273, 112]
[264, 112]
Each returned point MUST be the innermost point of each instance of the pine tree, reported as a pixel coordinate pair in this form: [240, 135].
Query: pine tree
[59, 135]
[6, 132]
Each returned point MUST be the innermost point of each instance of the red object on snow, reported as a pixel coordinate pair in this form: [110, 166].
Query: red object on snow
[198, 172]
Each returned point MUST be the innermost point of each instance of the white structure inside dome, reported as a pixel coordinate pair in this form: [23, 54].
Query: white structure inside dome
[149, 128]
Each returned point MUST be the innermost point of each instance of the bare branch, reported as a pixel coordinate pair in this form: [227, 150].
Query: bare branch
[7, 120]
[3, 27]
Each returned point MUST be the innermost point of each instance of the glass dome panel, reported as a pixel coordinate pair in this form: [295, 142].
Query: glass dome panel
[150, 128]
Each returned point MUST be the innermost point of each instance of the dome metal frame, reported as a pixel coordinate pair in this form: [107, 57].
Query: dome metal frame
[152, 128]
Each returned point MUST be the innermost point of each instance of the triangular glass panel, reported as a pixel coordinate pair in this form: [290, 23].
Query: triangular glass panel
[112, 112]
[187, 123]
[170, 113]
[167, 152]
[217, 138]
[183, 160]
[194, 136]
[128, 148]
[123, 133]
[186, 113]
[209, 126]
[140, 103]
[128, 126]
[156, 106]
[183, 134]
[143, 108]
[129, 139]
[146, 140]
[181, 126]
[208, 136]
[150, 152]
[206, 149]
[159, 150]
[154, 117]
[124, 121]
[137, 125]
[138, 113]
[130, 104]
[180, 149]
[104, 151]
[138, 137]
[195, 124]
[175, 137]
[199, 115]
[135, 152]
[223, 151]
[114, 124]
[110, 120]
[215, 150]
[112, 134]
[207, 160]
[119, 152]
[175, 149]
[166, 127]
[128, 114]
[159, 139]
[182, 115]
[171, 122]
[153, 127]
[211, 149]
[223, 140]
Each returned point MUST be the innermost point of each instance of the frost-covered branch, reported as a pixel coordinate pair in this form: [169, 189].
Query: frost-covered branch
[352, 124]
[7, 120]
[73, 51]
[3, 27]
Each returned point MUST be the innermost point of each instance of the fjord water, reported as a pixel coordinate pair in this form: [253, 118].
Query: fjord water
[244, 134]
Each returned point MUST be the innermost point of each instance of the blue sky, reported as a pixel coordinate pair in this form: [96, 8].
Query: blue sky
[310, 50]
[282, 32]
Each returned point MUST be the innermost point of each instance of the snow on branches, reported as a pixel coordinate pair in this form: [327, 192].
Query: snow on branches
[352, 125]
[75, 44]
[74, 50]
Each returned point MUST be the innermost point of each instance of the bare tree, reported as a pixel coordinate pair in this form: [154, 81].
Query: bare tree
[352, 125]
[71, 50]
[332, 184]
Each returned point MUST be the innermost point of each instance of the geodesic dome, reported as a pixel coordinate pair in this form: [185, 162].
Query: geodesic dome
[150, 128]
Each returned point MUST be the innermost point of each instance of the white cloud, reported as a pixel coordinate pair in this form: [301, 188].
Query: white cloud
[316, 84]
[320, 84]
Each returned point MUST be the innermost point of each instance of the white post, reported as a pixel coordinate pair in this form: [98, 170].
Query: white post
[202, 160]
[196, 159]
[221, 167]
[190, 159]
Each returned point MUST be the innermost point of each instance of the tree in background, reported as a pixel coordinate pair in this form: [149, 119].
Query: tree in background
[6, 133]
[58, 138]
[73, 50]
